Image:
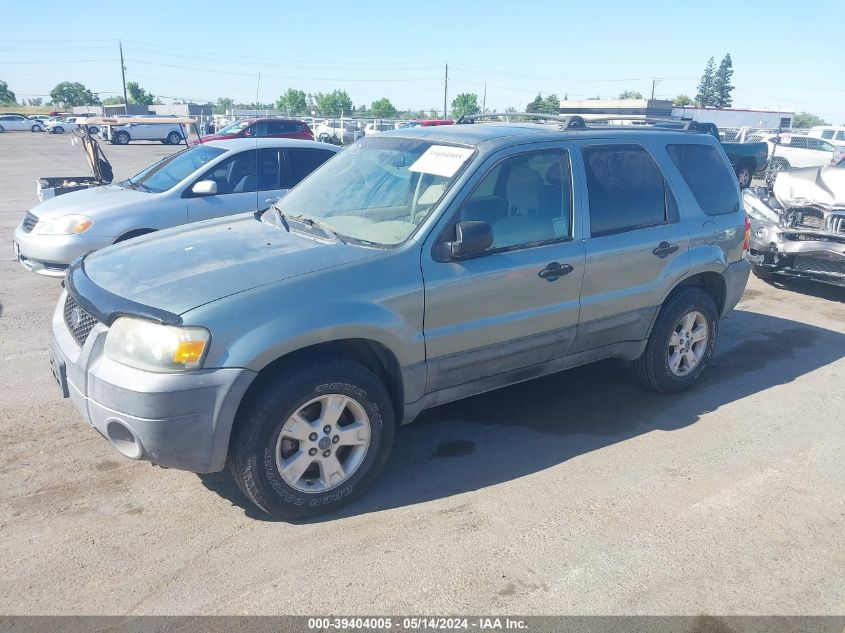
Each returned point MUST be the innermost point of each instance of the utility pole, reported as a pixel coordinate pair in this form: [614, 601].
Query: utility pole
[484, 100]
[445, 90]
[123, 76]
[654, 82]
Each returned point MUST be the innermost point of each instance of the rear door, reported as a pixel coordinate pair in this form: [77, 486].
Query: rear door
[637, 245]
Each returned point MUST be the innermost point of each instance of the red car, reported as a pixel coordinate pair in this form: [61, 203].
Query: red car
[269, 127]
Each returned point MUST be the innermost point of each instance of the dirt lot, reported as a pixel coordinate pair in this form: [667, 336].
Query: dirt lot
[579, 493]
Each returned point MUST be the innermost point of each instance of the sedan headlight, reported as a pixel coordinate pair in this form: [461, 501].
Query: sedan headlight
[64, 225]
[153, 347]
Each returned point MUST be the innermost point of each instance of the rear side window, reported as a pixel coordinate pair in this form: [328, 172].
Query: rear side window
[303, 161]
[627, 190]
[707, 176]
[828, 134]
[283, 127]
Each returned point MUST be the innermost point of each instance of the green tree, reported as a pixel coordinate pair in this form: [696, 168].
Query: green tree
[706, 95]
[465, 103]
[72, 93]
[631, 94]
[292, 101]
[7, 97]
[681, 100]
[552, 104]
[36, 102]
[223, 104]
[806, 119]
[383, 109]
[537, 105]
[722, 86]
[334, 103]
[138, 94]
[113, 101]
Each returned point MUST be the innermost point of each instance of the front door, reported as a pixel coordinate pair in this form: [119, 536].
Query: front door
[246, 182]
[637, 243]
[516, 304]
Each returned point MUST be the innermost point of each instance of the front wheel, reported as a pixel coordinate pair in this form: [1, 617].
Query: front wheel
[58, 130]
[121, 138]
[36, 128]
[311, 440]
[681, 342]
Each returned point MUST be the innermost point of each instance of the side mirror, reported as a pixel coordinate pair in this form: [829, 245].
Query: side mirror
[204, 188]
[247, 132]
[471, 238]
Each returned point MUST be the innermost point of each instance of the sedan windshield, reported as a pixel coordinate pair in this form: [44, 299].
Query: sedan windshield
[379, 189]
[167, 173]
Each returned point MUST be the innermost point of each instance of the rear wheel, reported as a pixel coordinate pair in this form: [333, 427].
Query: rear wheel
[744, 176]
[58, 130]
[312, 440]
[681, 342]
[173, 138]
[35, 128]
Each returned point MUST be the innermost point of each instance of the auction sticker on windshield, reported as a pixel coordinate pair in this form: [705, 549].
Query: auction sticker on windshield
[441, 160]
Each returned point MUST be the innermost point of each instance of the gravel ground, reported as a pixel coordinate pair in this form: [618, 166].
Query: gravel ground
[579, 493]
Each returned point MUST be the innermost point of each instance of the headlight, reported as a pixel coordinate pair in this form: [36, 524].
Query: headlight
[64, 225]
[154, 347]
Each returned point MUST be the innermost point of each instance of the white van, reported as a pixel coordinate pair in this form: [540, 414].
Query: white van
[833, 133]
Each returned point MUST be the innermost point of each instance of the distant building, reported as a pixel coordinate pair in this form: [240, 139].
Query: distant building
[183, 109]
[770, 119]
[622, 107]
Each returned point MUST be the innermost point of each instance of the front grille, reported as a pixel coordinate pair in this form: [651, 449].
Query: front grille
[817, 265]
[836, 223]
[29, 222]
[78, 321]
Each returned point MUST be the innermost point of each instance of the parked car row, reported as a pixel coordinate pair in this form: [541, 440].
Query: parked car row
[414, 268]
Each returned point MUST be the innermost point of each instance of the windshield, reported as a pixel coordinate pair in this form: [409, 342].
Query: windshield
[234, 128]
[379, 189]
[167, 173]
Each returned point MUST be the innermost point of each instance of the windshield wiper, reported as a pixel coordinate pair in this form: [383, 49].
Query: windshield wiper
[280, 215]
[325, 228]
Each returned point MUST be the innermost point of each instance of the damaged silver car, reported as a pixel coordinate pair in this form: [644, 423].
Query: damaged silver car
[798, 228]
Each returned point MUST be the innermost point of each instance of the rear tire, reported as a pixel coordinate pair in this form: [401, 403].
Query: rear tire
[35, 128]
[282, 428]
[744, 176]
[173, 138]
[674, 357]
[58, 130]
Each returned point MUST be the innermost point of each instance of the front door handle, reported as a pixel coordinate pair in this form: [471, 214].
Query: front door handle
[554, 271]
[665, 248]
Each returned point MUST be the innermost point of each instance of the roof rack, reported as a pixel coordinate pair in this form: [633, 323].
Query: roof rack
[580, 121]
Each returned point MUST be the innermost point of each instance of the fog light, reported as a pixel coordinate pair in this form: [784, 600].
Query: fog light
[761, 232]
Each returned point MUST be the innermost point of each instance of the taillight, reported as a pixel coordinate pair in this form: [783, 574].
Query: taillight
[747, 243]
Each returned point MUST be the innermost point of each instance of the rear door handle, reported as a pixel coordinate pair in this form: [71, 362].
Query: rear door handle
[554, 271]
[665, 248]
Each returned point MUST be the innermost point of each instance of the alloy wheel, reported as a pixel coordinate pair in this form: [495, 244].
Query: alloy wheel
[688, 343]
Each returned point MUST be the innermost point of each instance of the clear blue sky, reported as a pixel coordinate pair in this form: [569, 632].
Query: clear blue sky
[784, 54]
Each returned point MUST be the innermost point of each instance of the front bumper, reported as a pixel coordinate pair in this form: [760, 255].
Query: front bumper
[810, 254]
[180, 420]
[51, 254]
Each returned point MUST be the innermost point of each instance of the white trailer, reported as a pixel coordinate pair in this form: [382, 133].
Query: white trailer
[769, 119]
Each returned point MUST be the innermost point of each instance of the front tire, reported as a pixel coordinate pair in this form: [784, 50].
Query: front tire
[121, 138]
[35, 128]
[681, 342]
[313, 439]
[58, 130]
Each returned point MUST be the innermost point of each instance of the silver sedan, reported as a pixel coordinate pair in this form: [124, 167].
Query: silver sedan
[208, 181]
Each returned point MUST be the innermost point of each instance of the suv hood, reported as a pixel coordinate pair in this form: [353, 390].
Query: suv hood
[185, 267]
[88, 201]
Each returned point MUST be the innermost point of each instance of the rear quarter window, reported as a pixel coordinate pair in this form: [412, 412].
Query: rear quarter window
[712, 184]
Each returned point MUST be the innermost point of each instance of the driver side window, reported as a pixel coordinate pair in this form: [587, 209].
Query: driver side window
[526, 199]
[235, 174]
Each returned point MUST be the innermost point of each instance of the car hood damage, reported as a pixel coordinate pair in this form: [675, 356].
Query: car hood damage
[799, 227]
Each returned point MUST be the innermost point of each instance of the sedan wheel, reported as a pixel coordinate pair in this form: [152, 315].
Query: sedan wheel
[743, 177]
[36, 128]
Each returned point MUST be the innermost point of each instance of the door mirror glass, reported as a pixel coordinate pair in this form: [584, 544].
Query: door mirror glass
[204, 188]
[471, 238]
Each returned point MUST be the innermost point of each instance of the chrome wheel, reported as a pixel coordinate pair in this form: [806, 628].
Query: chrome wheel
[323, 443]
[688, 343]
